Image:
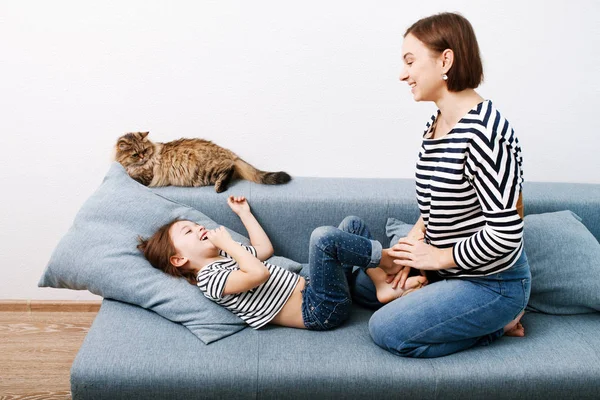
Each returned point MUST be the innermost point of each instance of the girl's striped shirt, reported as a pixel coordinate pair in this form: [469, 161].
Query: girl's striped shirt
[468, 183]
[257, 306]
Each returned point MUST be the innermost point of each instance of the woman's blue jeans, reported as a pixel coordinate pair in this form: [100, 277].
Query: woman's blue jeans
[446, 316]
[333, 252]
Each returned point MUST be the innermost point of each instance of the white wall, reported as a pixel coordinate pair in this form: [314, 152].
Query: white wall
[269, 80]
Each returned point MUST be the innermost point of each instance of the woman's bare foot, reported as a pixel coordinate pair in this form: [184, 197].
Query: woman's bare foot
[385, 291]
[515, 328]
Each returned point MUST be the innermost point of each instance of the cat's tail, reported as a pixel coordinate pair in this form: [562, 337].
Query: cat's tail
[248, 172]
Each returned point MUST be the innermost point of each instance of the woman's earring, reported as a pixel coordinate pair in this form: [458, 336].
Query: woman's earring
[444, 77]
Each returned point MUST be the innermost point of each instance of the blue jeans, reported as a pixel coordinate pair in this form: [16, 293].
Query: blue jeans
[326, 301]
[453, 314]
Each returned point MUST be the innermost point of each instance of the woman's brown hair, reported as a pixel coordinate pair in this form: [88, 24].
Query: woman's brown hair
[452, 31]
[158, 250]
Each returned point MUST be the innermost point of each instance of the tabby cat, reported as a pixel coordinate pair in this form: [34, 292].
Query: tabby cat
[186, 162]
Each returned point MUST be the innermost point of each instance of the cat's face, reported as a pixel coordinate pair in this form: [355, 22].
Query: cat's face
[134, 149]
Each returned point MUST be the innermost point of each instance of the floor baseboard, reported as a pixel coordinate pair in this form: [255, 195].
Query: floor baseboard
[50, 305]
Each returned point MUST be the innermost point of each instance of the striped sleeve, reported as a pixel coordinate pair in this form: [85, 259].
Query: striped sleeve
[493, 167]
[211, 281]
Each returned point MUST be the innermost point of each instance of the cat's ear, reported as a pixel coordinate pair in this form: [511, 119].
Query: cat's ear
[123, 145]
[143, 134]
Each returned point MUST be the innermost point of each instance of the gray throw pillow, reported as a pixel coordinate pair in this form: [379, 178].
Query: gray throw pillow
[396, 229]
[564, 257]
[99, 253]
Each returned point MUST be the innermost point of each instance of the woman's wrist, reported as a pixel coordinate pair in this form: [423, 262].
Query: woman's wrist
[445, 258]
[417, 231]
[417, 234]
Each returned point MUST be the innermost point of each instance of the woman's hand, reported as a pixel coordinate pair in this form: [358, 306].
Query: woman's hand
[238, 204]
[400, 278]
[219, 237]
[416, 233]
[411, 253]
[416, 254]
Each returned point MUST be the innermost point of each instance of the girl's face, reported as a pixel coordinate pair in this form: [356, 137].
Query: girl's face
[422, 70]
[191, 242]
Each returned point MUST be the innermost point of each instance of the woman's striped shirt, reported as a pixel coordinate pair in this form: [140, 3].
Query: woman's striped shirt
[468, 183]
[257, 306]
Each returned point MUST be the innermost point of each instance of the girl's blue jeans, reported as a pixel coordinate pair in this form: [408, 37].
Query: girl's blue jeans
[443, 317]
[333, 252]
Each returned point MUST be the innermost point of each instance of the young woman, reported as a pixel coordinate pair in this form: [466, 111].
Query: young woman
[468, 178]
[237, 277]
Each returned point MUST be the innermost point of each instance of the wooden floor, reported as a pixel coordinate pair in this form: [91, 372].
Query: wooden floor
[37, 349]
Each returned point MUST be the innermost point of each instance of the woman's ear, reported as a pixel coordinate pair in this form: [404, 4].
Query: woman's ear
[447, 58]
[178, 261]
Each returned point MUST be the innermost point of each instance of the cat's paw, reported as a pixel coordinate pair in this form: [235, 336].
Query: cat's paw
[220, 188]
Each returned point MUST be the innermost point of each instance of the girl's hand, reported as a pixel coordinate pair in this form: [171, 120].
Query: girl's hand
[238, 204]
[219, 237]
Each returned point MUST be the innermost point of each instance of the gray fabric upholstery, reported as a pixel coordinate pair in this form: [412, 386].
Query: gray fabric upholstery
[565, 264]
[132, 353]
[290, 212]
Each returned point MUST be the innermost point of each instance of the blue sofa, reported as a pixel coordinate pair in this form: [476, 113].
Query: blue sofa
[133, 353]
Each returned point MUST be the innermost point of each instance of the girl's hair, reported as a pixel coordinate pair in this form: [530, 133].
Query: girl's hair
[158, 250]
[452, 31]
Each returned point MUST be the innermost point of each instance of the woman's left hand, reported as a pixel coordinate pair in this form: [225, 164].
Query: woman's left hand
[413, 253]
[400, 278]
[409, 252]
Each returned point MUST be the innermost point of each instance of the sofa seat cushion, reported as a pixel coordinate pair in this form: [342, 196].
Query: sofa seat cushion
[559, 355]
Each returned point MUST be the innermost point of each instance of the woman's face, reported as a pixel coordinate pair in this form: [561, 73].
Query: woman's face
[191, 242]
[422, 70]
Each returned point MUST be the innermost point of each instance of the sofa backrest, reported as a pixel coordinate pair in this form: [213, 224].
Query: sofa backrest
[290, 212]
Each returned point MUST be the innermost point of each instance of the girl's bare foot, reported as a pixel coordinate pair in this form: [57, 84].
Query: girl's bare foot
[386, 263]
[515, 328]
[385, 292]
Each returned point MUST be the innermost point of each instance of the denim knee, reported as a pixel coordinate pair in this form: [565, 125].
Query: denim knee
[390, 338]
[380, 330]
[321, 235]
[351, 223]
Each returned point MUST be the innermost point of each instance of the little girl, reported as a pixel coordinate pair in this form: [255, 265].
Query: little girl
[236, 276]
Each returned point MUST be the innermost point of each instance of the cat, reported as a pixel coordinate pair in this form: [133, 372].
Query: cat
[186, 162]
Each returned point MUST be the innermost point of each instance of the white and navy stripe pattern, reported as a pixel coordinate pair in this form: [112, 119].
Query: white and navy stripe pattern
[468, 184]
[257, 306]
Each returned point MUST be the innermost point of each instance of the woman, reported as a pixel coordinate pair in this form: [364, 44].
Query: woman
[469, 235]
